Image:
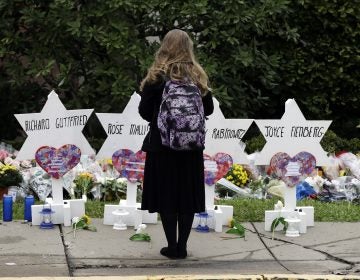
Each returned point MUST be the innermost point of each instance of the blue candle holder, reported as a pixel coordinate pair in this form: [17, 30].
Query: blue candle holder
[7, 208]
[29, 200]
[202, 226]
[46, 213]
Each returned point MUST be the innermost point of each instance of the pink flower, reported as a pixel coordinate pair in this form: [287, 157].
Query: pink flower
[3, 154]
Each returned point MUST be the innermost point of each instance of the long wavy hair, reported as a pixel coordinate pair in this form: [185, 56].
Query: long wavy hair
[175, 59]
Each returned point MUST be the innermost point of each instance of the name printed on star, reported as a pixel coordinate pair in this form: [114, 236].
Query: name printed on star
[307, 131]
[226, 133]
[41, 124]
[115, 128]
[295, 132]
[139, 129]
[274, 131]
[71, 121]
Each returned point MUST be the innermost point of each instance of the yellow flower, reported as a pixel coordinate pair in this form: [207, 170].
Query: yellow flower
[86, 219]
[231, 223]
[7, 167]
[237, 175]
[86, 175]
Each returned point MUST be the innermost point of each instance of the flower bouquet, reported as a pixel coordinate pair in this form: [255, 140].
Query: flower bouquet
[140, 234]
[84, 182]
[108, 168]
[9, 175]
[235, 228]
[113, 189]
[82, 223]
[238, 176]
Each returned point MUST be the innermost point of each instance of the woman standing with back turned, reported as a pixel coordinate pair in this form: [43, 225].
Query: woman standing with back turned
[174, 180]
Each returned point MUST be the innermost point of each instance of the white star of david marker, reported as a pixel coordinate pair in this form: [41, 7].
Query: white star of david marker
[292, 134]
[125, 130]
[224, 135]
[53, 126]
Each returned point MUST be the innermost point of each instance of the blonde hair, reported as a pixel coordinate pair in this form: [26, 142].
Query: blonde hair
[175, 59]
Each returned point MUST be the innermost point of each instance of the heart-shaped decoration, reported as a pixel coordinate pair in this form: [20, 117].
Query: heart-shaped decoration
[56, 162]
[129, 164]
[216, 167]
[292, 170]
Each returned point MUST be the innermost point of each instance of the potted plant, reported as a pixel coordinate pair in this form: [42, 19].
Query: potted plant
[9, 176]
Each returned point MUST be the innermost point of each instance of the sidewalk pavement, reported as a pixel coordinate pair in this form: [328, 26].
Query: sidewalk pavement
[327, 249]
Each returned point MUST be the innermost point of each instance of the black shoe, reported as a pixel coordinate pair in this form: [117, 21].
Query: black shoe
[181, 253]
[170, 253]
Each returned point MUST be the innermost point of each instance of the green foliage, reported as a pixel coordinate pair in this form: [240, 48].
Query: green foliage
[9, 176]
[245, 210]
[113, 189]
[277, 221]
[252, 210]
[238, 229]
[257, 54]
[140, 237]
[88, 52]
[95, 208]
[331, 143]
[255, 144]
[82, 223]
[321, 65]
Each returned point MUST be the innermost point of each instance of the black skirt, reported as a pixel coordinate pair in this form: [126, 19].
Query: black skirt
[174, 182]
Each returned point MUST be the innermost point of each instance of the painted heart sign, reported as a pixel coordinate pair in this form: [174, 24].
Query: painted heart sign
[129, 164]
[216, 167]
[292, 170]
[56, 162]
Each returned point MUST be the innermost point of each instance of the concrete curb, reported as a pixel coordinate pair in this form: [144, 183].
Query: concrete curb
[199, 277]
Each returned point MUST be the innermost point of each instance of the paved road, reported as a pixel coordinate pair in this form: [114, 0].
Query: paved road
[326, 249]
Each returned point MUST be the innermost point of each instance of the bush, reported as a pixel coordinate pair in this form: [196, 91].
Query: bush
[331, 143]
[257, 54]
[255, 144]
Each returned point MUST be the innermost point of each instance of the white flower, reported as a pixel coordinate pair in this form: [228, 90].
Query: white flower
[100, 179]
[26, 164]
[279, 205]
[141, 228]
[121, 180]
[75, 220]
[355, 181]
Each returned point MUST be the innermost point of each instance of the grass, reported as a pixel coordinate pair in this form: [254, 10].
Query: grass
[253, 210]
[245, 210]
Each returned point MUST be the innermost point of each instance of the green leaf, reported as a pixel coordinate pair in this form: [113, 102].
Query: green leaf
[277, 221]
[274, 224]
[80, 224]
[238, 229]
[232, 231]
[140, 237]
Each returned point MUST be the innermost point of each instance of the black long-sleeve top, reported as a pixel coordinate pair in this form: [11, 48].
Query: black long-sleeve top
[149, 109]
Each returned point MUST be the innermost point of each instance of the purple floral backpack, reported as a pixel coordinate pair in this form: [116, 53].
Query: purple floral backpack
[181, 119]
